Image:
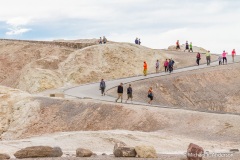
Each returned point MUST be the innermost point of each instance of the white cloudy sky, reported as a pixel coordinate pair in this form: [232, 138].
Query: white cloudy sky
[212, 24]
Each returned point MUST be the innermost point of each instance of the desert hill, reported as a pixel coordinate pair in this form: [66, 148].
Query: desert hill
[39, 66]
[214, 89]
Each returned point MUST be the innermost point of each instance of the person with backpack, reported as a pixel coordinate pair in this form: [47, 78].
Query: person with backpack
[177, 45]
[145, 68]
[129, 93]
[233, 54]
[120, 92]
[166, 65]
[186, 46]
[157, 66]
[208, 57]
[102, 87]
[150, 95]
[198, 58]
[224, 56]
[104, 40]
[191, 47]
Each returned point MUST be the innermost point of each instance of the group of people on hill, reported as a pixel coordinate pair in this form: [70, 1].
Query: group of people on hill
[188, 47]
[138, 41]
[102, 40]
[168, 66]
[223, 57]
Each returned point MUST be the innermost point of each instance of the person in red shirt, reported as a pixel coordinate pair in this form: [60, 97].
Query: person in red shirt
[145, 68]
[233, 54]
[166, 65]
[177, 45]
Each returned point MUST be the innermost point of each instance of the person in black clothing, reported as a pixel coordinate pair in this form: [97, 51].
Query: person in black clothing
[170, 65]
[102, 87]
[129, 93]
[120, 92]
[198, 58]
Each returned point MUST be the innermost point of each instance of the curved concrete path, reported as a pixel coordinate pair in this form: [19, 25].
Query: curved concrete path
[91, 91]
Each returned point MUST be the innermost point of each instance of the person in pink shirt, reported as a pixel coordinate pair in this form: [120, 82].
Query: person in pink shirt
[233, 54]
[166, 65]
[224, 56]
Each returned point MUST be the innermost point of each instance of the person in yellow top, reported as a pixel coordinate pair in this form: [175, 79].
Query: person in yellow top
[145, 68]
[208, 57]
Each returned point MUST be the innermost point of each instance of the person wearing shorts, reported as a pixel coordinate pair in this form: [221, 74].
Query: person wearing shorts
[120, 92]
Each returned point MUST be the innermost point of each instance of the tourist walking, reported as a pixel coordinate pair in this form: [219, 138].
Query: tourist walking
[170, 65]
[139, 41]
[145, 68]
[120, 92]
[166, 65]
[233, 54]
[157, 66]
[177, 45]
[220, 59]
[129, 93]
[198, 58]
[224, 56]
[104, 40]
[102, 87]
[100, 40]
[191, 47]
[186, 46]
[150, 95]
[208, 57]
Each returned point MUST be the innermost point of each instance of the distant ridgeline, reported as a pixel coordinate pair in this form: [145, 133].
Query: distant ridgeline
[75, 45]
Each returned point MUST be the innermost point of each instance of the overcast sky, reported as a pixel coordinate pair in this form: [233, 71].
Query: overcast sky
[212, 24]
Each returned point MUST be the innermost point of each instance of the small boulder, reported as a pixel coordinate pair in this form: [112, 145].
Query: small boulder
[119, 144]
[80, 152]
[124, 152]
[39, 151]
[146, 152]
[4, 156]
[194, 152]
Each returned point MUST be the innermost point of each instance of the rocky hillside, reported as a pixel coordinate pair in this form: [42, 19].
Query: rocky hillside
[212, 89]
[37, 66]
[23, 115]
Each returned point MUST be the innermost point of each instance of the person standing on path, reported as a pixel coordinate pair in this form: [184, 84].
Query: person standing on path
[208, 57]
[102, 87]
[170, 65]
[136, 41]
[157, 66]
[120, 92]
[191, 47]
[224, 56]
[177, 45]
[100, 40]
[104, 40]
[150, 95]
[166, 65]
[139, 41]
[233, 54]
[198, 58]
[187, 46]
[129, 93]
[145, 68]
[220, 59]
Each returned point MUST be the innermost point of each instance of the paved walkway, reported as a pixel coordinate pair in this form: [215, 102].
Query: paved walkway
[92, 91]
